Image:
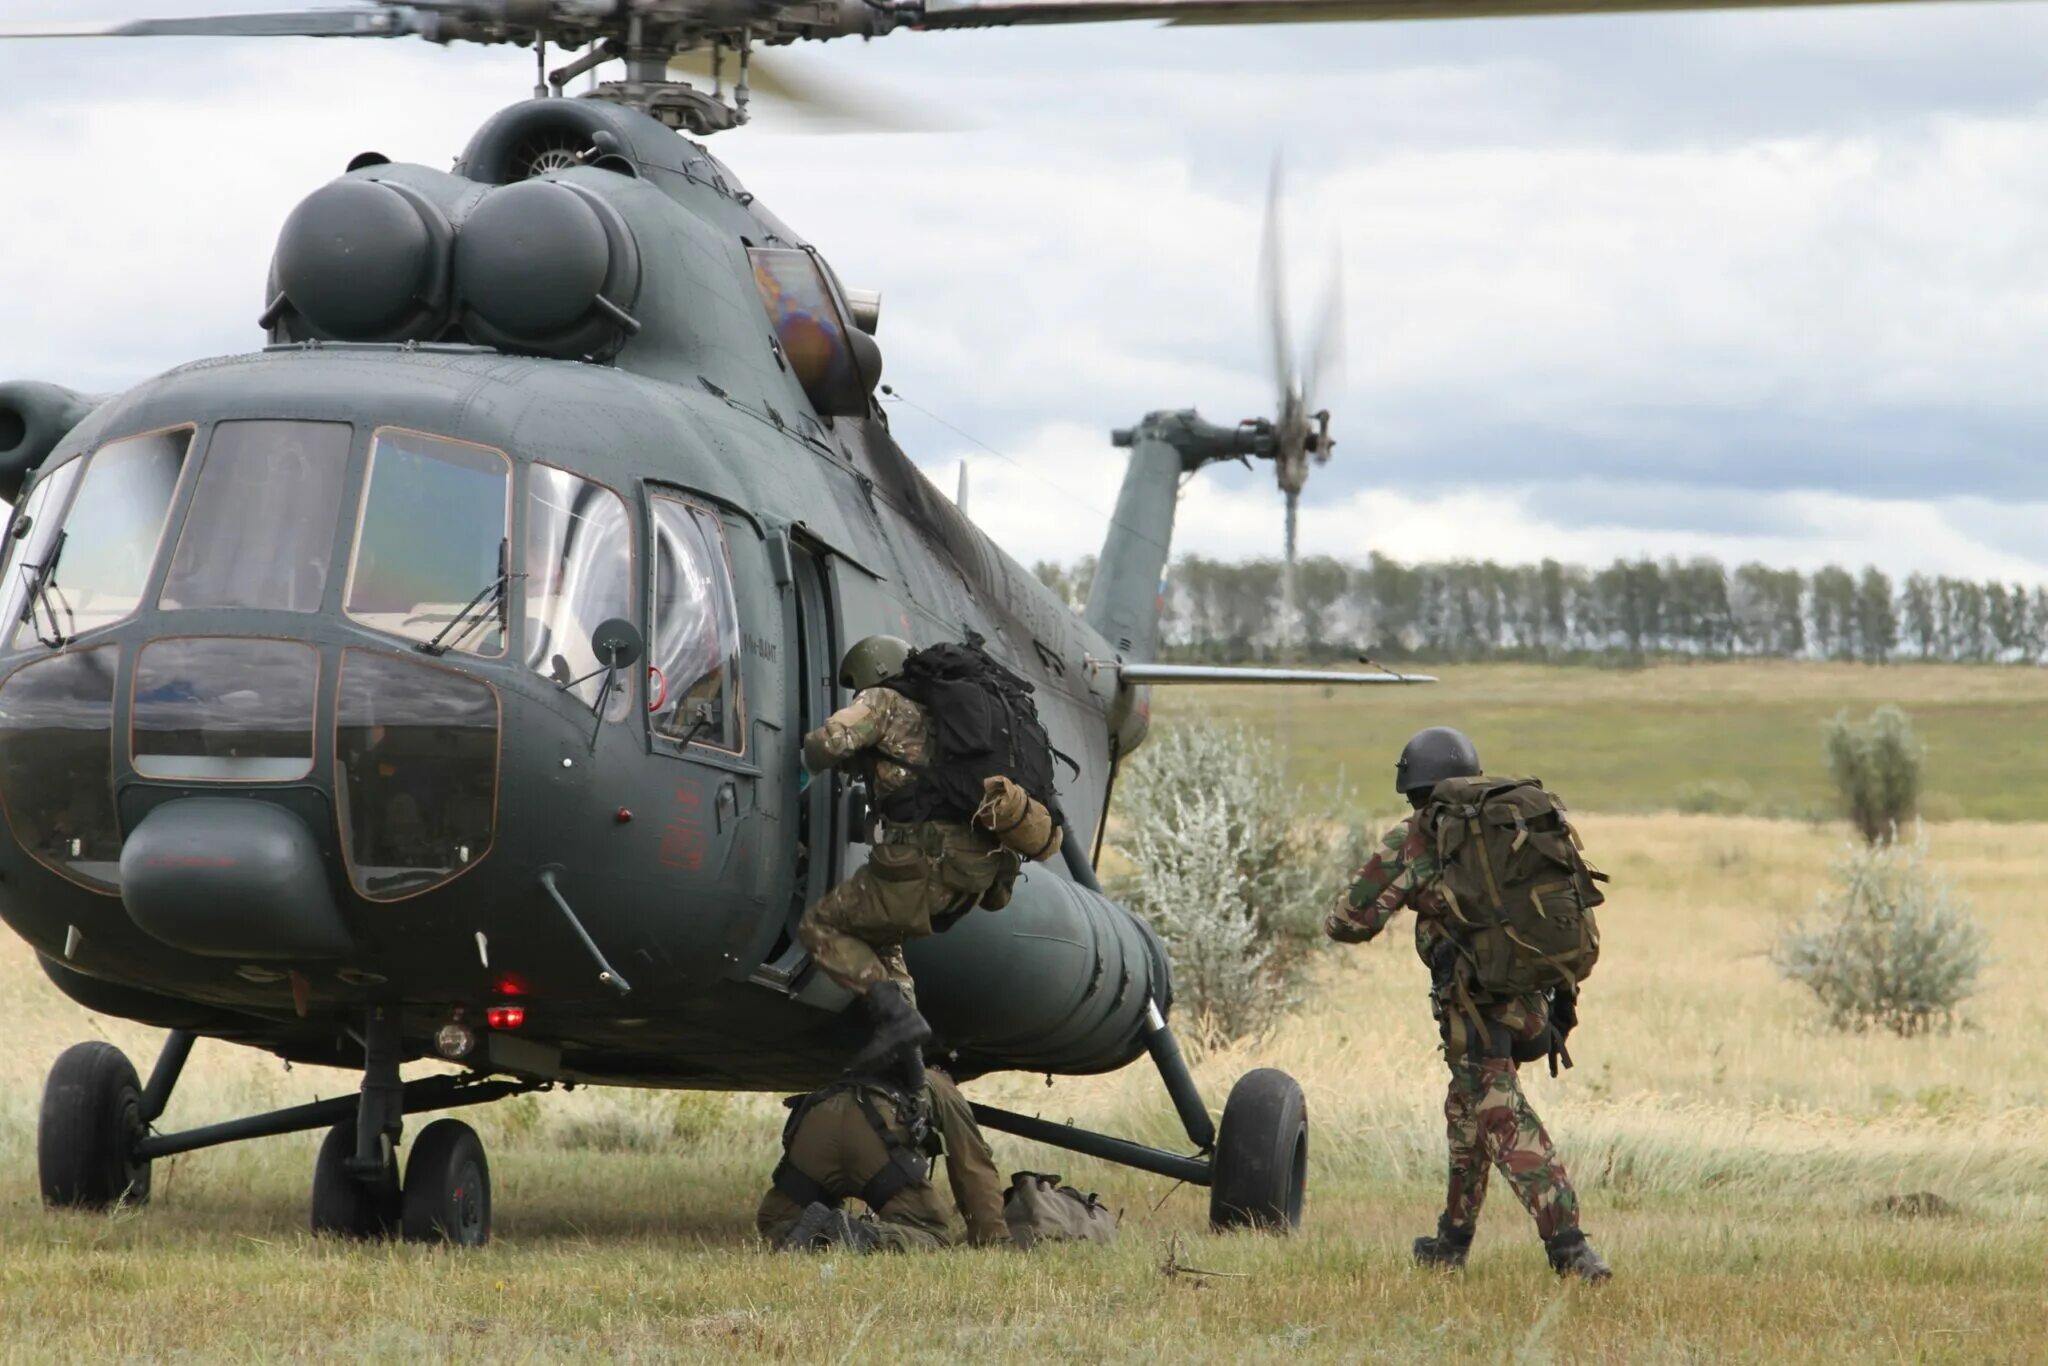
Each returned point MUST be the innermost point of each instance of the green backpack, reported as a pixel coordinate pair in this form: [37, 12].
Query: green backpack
[1518, 895]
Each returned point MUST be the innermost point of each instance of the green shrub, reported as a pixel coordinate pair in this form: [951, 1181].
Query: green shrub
[1876, 767]
[1891, 946]
[1230, 870]
[1713, 797]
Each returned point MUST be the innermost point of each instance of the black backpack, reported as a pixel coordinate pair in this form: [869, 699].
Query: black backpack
[983, 724]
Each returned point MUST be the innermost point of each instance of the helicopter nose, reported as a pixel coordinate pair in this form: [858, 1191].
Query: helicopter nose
[231, 878]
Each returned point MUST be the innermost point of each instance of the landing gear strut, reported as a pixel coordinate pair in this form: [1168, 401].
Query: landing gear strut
[95, 1145]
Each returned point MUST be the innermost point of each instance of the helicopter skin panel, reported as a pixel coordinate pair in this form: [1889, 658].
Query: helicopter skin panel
[946, 14]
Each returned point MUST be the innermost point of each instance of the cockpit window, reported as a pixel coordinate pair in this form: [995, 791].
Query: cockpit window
[209, 709]
[694, 678]
[431, 554]
[56, 764]
[415, 771]
[93, 571]
[34, 532]
[261, 529]
[579, 572]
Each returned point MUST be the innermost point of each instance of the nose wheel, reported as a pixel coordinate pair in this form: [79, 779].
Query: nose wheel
[92, 1117]
[446, 1196]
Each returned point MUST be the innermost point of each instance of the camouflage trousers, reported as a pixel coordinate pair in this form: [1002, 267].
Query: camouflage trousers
[855, 932]
[1489, 1122]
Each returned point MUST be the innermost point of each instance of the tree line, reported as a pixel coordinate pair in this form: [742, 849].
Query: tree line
[1220, 610]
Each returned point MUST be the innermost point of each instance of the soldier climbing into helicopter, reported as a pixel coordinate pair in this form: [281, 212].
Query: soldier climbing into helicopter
[960, 775]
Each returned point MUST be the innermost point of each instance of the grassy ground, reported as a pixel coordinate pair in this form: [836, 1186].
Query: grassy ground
[1731, 1157]
[1712, 735]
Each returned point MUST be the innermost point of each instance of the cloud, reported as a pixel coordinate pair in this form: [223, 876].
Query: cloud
[1729, 280]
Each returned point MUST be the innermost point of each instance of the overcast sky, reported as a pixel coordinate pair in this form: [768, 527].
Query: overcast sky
[1766, 284]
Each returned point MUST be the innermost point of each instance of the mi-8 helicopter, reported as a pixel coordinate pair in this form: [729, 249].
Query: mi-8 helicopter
[429, 684]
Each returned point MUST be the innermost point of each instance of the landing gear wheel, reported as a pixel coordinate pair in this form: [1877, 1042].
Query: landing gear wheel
[91, 1119]
[343, 1203]
[1261, 1165]
[448, 1187]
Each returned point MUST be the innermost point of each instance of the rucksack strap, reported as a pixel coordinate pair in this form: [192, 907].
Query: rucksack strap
[803, 1189]
[906, 1167]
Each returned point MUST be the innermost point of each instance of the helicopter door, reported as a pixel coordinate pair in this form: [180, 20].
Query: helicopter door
[812, 650]
[697, 707]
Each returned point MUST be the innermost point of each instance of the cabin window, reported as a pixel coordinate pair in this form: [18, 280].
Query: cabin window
[209, 709]
[93, 572]
[430, 559]
[694, 655]
[261, 530]
[34, 531]
[416, 773]
[56, 764]
[579, 572]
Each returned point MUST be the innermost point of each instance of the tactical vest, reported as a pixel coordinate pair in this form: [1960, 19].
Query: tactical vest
[910, 1151]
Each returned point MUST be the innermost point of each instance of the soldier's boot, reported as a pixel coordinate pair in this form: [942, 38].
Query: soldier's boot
[823, 1226]
[1571, 1255]
[1446, 1249]
[897, 1025]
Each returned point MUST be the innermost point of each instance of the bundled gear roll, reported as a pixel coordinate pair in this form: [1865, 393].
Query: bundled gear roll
[1518, 894]
[1041, 1209]
[990, 762]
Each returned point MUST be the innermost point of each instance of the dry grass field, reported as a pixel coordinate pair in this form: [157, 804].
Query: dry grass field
[1733, 1159]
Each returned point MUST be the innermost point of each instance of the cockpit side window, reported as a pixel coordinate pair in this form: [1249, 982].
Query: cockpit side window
[261, 530]
[431, 558]
[694, 654]
[579, 572]
[93, 571]
[34, 530]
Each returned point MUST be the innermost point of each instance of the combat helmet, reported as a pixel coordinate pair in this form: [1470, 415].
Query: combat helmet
[872, 660]
[1432, 755]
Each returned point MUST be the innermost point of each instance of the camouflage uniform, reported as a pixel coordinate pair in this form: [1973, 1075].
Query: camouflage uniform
[855, 932]
[837, 1147]
[1487, 1117]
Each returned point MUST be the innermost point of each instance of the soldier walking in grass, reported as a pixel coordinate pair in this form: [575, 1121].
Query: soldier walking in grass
[1503, 919]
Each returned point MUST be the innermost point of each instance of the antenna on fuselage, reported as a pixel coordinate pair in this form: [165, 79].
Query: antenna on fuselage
[960, 496]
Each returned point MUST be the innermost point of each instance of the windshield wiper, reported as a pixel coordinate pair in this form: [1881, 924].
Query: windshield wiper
[493, 597]
[42, 592]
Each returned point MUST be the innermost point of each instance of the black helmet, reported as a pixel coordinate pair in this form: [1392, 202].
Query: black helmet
[1432, 755]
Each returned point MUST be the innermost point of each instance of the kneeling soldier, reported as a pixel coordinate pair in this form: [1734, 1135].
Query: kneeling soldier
[872, 1139]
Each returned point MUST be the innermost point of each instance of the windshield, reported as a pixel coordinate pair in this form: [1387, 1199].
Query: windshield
[109, 538]
[430, 552]
[579, 572]
[261, 529]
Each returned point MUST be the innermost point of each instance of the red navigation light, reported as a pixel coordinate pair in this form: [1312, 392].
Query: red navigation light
[505, 1017]
[511, 984]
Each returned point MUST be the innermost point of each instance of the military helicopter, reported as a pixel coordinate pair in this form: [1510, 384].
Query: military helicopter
[429, 683]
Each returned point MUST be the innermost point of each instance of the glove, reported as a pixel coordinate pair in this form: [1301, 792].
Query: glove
[1344, 930]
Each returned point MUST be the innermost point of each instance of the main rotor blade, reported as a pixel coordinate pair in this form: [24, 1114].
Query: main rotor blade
[1273, 300]
[385, 21]
[940, 14]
